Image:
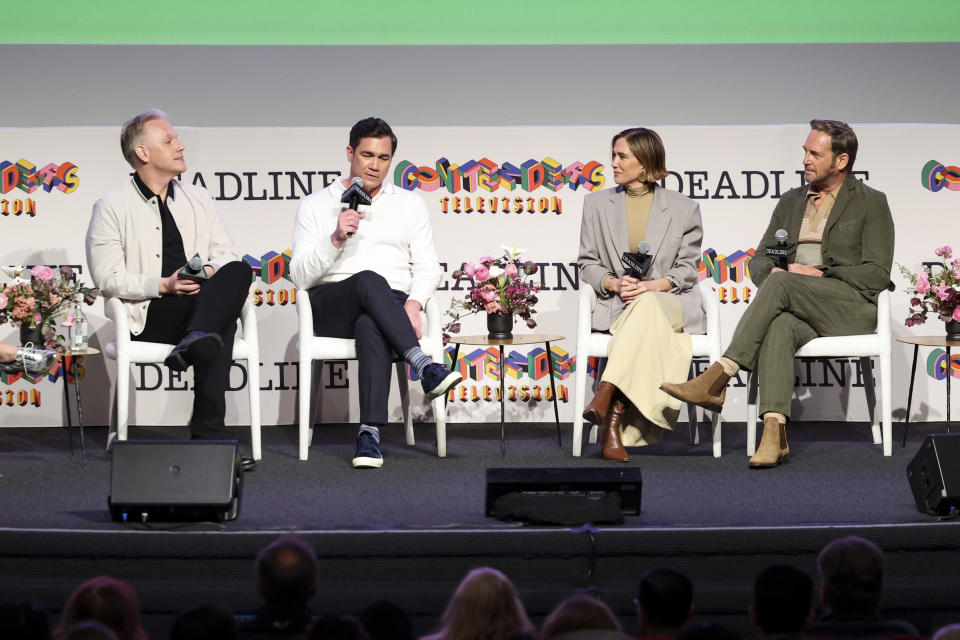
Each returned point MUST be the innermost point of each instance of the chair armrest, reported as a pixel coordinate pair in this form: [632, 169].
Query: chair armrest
[121, 321]
[304, 316]
[248, 323]
[883, 313]
[587, 302]
[432, 334]
[710, 305]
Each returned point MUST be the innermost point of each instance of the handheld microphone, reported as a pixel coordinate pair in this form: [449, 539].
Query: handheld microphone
[782, 249]
[355, 196]
[193, 270]
[638, 263]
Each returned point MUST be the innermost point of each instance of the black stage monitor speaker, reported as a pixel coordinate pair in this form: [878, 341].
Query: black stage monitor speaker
[591, 483]
[175, 481]
[934, 474]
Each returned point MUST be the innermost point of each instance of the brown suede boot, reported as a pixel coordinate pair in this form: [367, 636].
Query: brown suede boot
[773, 445]
[612, 445]
[707, 390]
[596, 411]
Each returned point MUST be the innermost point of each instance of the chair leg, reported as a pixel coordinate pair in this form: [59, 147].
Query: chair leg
[253, 386]
[715, 421]
[886, 401]
[693, 424]
[305, 418]
[440, 415]
[866, 369]
[579, 401]
[123, 401]
[601, 365]
[404, 386]
[751, 413]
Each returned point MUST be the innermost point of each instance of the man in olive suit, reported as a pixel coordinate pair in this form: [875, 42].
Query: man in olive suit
[844, 238]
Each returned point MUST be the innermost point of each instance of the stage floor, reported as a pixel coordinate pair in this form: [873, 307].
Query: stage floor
[408, 532]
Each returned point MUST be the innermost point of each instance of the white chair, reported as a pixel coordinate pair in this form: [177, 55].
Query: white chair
[866, 345]
[127, 352]
[315, 348]
[595, 344]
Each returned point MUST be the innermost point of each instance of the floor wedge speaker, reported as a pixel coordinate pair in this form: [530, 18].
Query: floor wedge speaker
[175, 481]
[593, 484]
[934, 474]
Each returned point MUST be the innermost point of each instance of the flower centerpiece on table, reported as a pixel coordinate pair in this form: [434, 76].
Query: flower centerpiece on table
[498, 289]
[39, 301]
[935, 292]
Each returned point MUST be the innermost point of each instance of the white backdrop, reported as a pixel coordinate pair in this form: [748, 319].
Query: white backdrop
[259, 174]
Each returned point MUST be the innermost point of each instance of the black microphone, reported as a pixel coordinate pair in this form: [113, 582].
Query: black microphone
[355, 196]
[638, 263]
[782, 249]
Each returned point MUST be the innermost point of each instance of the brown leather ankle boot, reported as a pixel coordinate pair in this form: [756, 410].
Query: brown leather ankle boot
[596, 411]
[773, 445]
[707, 390]
[612, 445]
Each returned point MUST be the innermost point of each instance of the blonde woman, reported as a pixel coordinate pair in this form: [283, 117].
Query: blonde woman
[650, 317]
[485, 606]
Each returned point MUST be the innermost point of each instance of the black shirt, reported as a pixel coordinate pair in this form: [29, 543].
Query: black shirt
[173, 254]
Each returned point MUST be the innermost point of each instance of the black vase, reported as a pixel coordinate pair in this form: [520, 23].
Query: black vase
[953, 330]
[34, 335]
[499, 326]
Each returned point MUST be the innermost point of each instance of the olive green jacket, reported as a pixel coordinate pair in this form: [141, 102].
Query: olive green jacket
[857, 245]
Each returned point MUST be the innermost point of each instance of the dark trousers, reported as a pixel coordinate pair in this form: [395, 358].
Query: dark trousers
[214, 310]
[365, 308]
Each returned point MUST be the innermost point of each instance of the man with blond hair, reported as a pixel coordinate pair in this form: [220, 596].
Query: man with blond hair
[140, 237]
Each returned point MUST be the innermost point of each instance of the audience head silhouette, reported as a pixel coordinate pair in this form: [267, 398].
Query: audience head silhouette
[287, 572]
[851, 574]
[782, 600]
[579, 612]
[204, 622]
[484, 606]
[664, 602]
[107, 600]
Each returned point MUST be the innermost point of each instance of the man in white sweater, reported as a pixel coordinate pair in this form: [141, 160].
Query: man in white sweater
[140, 237]
[368, 274]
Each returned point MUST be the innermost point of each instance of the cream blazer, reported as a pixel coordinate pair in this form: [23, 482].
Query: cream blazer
[125, 242]
[674, 233]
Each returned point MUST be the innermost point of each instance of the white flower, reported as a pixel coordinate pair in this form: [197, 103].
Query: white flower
[497, 272]
[16, 273]
[514, 252]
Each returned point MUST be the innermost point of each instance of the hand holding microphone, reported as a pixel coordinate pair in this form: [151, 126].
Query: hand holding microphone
[353, 197]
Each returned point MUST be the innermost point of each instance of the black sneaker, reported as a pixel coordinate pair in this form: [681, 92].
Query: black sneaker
[437, 380]
[368, 452]
[196, 346]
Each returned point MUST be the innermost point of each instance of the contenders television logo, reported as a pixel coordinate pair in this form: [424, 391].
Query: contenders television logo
[24, 176]
[935, 176]
[729, 271]
[482, 179]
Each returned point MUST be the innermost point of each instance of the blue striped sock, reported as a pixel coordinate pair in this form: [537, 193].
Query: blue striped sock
[417, 359]
[372, 430]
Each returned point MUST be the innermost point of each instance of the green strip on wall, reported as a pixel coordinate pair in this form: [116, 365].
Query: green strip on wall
[483, 22]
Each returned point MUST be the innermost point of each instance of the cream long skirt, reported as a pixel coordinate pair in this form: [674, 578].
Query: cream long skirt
[647, 348]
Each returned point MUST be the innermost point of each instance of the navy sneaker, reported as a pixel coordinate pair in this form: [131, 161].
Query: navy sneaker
[437, 380]
[368, 452]
[196, 346]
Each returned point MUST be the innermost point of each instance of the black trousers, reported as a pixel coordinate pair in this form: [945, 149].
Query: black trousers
[365, 308]
[214, 310]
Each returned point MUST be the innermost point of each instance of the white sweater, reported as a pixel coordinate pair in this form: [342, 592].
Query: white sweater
[394, 239]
